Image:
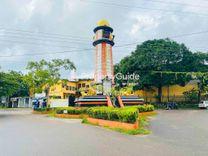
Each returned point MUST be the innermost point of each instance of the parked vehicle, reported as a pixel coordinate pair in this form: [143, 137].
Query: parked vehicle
[203, 104]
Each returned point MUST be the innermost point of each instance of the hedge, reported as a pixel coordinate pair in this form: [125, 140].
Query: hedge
[144, 108]
[128, 115]
[71, 110]
[46, 109]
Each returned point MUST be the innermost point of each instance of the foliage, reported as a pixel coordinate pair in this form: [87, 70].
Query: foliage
[142, 130]
[139, 131]
[46, 109]
[71, 110]
[88, 91]
[161, 63]
[143, 123]
[128, 115]
[144, 108]
[203, 82]
[12, 84]
[115, 92]
[191, 95]
[43, 74]
[125, 91]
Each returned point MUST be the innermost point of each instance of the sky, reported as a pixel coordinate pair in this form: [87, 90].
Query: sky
[50, 29]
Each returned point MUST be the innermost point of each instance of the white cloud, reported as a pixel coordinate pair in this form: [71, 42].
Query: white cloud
[72, 17]
[27, 10]
[15, 50]
[143, 22]
[70, 5]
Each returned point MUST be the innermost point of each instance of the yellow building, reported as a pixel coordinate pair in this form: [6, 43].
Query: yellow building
[64, 89]
[169, 93]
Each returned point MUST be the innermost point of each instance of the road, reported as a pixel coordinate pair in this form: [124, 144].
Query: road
[174, 133]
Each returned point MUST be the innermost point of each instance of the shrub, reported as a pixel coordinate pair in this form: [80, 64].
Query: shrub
[43, 109]
[144, 108]
[191, 96]
[71, 110]
[128, 115]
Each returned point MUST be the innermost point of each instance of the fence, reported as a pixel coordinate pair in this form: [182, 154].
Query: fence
[164, 99]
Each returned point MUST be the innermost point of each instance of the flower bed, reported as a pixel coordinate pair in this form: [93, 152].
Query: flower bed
[126, 115]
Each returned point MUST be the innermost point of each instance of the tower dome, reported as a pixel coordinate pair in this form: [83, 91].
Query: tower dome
[103, 22]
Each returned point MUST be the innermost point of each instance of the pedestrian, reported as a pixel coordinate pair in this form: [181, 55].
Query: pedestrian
[44, 103]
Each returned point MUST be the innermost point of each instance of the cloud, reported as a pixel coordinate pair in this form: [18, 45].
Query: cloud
[76, 18]
[28, 9]
[70, 5]
[143, 22]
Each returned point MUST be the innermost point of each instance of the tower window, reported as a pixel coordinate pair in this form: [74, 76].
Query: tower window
[106, 34]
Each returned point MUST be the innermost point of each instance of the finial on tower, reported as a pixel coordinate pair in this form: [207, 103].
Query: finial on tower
[103, 22]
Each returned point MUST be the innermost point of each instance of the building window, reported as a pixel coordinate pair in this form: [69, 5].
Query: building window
[79, 85]
[73, 88]
[83, 85]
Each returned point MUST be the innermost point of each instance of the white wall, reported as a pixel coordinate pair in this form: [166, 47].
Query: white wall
[59, 103]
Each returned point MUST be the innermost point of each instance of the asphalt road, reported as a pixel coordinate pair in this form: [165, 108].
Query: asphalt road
[174, 133]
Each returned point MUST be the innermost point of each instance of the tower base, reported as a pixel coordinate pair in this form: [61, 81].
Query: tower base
[129, 101]
[97, 100]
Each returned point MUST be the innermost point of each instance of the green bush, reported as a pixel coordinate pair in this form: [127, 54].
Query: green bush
[43, 109]
[71, 110]
[191, 96]
[128, 115]
[144, 108]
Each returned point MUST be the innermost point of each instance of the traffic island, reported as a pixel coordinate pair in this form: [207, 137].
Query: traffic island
[125, 120]
[42, 111]
[113, 124]
[71, 116]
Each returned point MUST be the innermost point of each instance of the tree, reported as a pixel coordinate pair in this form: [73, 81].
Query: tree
[161, 63]
[44, 74]
[203, 83]
[12, 84]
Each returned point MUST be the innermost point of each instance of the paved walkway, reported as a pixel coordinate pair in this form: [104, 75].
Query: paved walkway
[175, 133]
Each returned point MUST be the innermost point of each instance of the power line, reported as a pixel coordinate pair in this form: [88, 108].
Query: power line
[34, 43]
[55, 39]
[67, 51]
[122, 45]
[143, 8]
[60, 52]
[177, 3]
[175, 36]
[190, 34]
[54, 35]
[51, 38]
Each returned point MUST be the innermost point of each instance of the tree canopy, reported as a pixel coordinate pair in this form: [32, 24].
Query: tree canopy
[43, 74]
[162, 62]
[12, 84]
